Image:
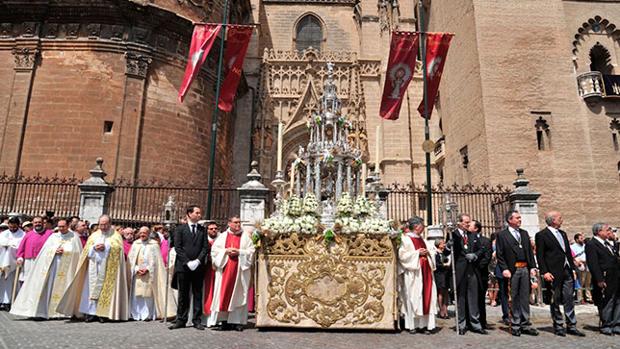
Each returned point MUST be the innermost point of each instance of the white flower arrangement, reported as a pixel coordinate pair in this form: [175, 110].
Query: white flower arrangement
[363, 207]
[376, 226]
[348, 225]
[310, 205]
[344, 208]
[306, 224]
[294, 206]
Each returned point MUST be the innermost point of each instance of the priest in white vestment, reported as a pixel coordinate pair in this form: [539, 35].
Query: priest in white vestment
[51, 273]
[99, 288]
[417, 292]
[148, 279]
[9, 242]
[232, 255]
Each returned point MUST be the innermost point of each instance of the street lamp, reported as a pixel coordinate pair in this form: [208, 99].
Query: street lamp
[169, 216]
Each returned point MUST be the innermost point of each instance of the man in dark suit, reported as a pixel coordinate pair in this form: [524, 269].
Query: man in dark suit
[464, 250]
[516, 260]
[484, 252]
[604, 265]
[192, 247]
[555, 262]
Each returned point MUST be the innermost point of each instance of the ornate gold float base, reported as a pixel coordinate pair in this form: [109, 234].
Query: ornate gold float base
[349, 284]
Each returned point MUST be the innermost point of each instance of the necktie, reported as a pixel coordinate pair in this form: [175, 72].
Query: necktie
[194, 230]
[560, 239]
[609, 247]
[517, 236]
[465, 238]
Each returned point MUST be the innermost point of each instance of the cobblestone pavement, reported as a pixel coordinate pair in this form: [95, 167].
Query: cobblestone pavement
[20, 333]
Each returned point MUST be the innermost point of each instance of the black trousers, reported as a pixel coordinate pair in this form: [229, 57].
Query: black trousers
[190, 284]
[482, 302]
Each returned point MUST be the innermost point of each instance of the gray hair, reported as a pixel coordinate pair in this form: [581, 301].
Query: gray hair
[597, 227]
[509, 214]
[549, 219]
[438, 242]
[415, 221]
[462, 215]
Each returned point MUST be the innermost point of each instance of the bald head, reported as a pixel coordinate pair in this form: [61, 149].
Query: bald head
[554, 219]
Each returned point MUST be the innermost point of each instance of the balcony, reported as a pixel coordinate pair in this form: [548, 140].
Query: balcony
[440, 149]
[591, 86]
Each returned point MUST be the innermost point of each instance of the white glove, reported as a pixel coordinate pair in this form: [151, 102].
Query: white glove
[192, 265]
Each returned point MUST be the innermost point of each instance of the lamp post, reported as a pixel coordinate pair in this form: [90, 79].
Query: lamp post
[169, 219]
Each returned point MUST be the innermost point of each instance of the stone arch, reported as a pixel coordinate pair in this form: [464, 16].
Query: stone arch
[597, 24]
[312, 16]
[600, 59]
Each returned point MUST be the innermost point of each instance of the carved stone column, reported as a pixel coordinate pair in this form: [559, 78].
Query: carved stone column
[253, 196]
[138, 60]
[26, 55]
[525, 200]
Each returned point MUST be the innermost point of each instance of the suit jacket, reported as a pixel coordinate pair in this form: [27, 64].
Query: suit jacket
[190, 247]
[550, 256]
[485, 253]
[462, 267]
[604, 266]
[507, 247]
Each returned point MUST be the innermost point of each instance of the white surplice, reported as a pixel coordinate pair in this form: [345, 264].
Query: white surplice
[9, 242]
[411, 285]
[238, 309]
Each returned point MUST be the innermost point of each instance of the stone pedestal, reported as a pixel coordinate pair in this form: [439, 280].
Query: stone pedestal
[524, 200]
[252, 195]
[94, 194]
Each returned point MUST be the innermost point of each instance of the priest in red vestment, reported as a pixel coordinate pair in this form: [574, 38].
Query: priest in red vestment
[232, 256]
[209, 271]
[417, 290]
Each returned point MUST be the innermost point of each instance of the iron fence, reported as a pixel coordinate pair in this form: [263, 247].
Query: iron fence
[484, 203]
[35, 195]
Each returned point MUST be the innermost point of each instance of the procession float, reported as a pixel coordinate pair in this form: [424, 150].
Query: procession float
[327, 255]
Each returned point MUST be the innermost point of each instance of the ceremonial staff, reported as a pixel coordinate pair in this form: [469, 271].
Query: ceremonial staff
[169, 221]
[14, 291]
[450, 217]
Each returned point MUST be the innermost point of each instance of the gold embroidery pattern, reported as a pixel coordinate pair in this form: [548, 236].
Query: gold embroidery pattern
[111, 270]
[343, 285]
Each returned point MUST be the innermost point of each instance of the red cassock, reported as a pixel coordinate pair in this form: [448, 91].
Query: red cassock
[209, 282]
[427, 275]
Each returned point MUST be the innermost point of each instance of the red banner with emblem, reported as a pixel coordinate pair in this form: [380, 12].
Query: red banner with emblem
[236, 47]
[202, 40]
[400, 69]
[437, 45]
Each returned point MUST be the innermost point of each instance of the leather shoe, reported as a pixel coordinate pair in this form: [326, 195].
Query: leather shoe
[607, 332]
[530, 331]
[462, 331]
[516, 333]
[413, 331]
[616, 330]
[560, 333]
[199, 327]
[480, 331]
[176, 326]
[90, 318]
[575, 332]
[239, 328]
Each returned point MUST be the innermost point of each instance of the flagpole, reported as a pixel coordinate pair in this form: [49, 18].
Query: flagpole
[220, 62]
[423, 39]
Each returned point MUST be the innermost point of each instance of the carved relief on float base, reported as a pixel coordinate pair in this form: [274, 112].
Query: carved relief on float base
[290, 84]
[349, 284]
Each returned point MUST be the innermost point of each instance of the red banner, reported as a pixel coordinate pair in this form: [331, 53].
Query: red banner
[202, 40]
[437, 45]
[236, 48]
[400, 69]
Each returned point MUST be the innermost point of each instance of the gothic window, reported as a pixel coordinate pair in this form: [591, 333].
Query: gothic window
[308, 33]
[543, 134]
[464, 157]
[614, 125]
[600, 59]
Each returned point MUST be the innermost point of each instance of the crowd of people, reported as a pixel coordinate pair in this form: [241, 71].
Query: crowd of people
[52, 268]
[513, 269]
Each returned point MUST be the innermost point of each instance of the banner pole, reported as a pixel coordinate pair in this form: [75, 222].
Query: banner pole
[216, 111]
[423, 39]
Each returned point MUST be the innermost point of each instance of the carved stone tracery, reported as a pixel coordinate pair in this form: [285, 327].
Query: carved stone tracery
[290, 84]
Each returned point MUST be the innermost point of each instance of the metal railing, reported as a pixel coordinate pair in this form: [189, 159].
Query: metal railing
[32, 196]
[484, 203]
